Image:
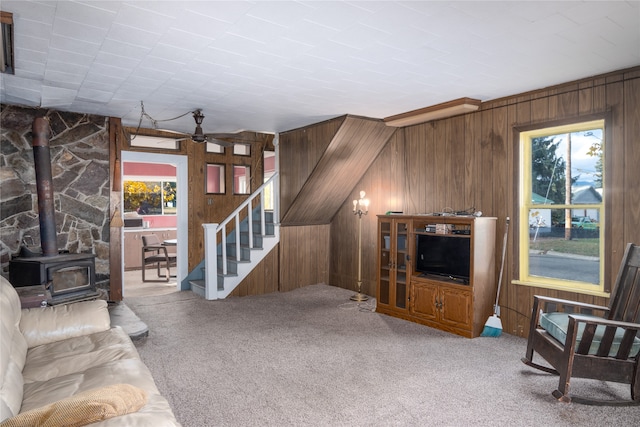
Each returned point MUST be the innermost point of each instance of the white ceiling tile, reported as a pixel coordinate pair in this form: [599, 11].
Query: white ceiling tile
[336, 15]
[91, 83]
[132, 35]
[32, 28]
[287, 64]
[54, 78]
[283, 16]
[32, 57]
[190, 39]
[73, 29]
[81, 47]
[59, 63]
[43, 12]
[53, 96]
[85, 13]
[122, 51]
[72, 59]
[32, 43]
[135, 15]
[94, 95]
[118, 71]
[172, 53]
[225, 11]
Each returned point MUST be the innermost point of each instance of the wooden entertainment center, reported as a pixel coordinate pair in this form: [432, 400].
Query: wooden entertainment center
[459, 306]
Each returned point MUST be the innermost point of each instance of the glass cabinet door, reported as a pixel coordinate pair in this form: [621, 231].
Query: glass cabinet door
[392, 263]
[399, 265]
[384, 262]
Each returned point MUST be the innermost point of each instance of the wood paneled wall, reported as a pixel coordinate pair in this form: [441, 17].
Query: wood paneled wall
[472, 161]
[304, 256]
[300, 152]
[263, 279]
[352, 150]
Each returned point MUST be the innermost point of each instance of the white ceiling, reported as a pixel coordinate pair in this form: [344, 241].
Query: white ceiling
[275, 66]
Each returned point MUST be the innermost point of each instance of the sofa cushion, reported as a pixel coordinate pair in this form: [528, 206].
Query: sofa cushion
[129, 371]
[84, 408]
[556, 324]
[49, 324]
[13, 351]
[77, 354]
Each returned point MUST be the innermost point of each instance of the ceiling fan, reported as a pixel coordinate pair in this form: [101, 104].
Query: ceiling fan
[223, 139]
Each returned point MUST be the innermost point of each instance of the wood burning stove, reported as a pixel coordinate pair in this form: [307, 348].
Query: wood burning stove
[66, 276]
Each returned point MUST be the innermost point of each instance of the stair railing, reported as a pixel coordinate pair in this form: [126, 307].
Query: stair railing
[212, 230]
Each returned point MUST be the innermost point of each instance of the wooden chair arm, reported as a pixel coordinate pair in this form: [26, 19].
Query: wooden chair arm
[604, 348]
[564, 302]
[155, 249]
[605, 322]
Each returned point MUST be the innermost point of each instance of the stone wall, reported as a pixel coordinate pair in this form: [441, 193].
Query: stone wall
[80, 168]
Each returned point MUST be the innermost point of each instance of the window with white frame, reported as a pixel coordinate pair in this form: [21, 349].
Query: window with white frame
[562, 191]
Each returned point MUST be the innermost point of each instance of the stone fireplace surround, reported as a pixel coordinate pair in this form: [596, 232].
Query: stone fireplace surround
[80, 168]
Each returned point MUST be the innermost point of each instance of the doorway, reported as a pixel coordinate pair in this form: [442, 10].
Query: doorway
[179, 203]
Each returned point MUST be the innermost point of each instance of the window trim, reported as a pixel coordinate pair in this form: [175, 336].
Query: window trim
[571, 124]
[247, 176]
[222, 174]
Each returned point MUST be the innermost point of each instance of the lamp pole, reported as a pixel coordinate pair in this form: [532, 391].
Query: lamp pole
[360, 207]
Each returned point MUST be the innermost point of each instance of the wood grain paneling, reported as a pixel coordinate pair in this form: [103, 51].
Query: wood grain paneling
[353, 148]
[300, 151]
[115, 201]
[263, 279]
[304, 256]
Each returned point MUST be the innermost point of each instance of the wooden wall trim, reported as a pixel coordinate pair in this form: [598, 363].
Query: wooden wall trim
[116, 138]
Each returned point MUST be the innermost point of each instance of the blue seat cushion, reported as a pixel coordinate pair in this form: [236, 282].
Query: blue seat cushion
[556, 325]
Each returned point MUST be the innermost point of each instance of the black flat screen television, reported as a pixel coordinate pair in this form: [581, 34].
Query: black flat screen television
[445, 256]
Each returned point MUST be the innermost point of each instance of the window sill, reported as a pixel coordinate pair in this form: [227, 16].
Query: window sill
[575, 289]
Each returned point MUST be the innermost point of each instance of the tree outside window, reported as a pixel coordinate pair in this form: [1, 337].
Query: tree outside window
[150, 197]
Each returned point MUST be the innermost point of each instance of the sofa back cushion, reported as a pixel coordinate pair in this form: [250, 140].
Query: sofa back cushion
[60, 322]
[13, 351]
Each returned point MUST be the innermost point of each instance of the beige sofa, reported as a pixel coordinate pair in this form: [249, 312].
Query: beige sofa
[68, 362]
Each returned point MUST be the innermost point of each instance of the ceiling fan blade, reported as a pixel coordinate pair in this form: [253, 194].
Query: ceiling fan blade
[174, 132]
[244, 137]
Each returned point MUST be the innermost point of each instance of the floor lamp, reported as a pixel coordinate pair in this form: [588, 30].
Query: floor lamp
[360, 207]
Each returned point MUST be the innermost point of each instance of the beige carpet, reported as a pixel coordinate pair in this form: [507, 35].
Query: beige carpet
[310, 357]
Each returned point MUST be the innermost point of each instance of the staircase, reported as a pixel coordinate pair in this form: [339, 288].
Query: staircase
[251, 239]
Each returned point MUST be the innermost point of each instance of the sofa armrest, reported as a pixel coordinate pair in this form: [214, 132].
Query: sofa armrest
[49, 324]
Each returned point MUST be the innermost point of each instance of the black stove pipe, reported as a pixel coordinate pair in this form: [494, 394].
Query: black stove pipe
[44, 187]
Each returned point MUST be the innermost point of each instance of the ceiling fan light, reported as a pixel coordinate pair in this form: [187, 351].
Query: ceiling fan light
[198, 117]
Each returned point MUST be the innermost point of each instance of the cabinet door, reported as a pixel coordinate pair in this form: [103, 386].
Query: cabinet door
[456, 307]
[424, 301]
[384, 262]
[399, 263]
[132, 250]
